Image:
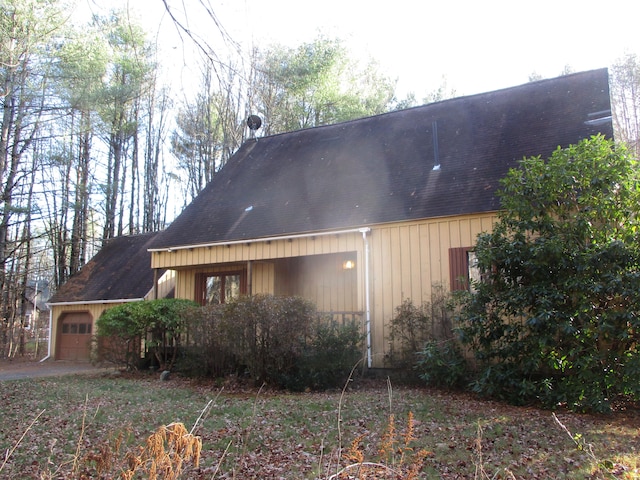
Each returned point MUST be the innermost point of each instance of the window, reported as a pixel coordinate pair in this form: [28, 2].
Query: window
[463, 268]
[475, 275]
[76, 328]
[217, 288]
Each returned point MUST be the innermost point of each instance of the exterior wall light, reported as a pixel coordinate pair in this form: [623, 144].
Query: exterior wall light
[348, 264]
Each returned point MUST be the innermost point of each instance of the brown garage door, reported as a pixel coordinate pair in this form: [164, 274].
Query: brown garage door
[74, 336]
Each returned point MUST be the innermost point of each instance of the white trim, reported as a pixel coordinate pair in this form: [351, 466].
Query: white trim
[50, 330]
[256, 240]
[367, 297]
[94, 302]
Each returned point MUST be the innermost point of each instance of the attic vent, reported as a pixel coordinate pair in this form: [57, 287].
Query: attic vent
[598, 118]
[436, 152]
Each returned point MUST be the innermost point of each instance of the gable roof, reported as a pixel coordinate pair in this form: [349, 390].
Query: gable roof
[381, 169]
[121, 270]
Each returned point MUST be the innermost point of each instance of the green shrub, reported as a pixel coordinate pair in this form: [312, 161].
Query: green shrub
[276, 340]
[328, 358]
[442, 364]
[555, 320]
[413, 326]
[118, 337]
[161, 323]
[267, 334]
[207, 351]
[410, 329]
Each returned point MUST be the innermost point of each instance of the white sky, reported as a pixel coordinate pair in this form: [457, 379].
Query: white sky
[476, 45]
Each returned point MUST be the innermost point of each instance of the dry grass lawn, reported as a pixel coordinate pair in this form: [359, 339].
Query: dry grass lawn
[96, 426]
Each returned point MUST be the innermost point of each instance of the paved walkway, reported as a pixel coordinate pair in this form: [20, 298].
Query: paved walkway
[16, 370]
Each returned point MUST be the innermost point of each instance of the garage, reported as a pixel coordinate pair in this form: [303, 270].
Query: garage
[74, 336]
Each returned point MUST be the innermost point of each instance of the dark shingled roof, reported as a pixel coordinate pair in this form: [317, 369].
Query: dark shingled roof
[380, 169]
[121, 270]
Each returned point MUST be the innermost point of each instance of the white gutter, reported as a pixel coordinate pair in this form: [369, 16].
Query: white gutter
[367, 287]
[256, 240]
[94, 302]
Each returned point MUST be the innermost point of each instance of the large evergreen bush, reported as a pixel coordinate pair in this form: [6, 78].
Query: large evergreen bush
[555, 319]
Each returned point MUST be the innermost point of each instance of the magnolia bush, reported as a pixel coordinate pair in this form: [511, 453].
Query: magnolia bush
[555, 319]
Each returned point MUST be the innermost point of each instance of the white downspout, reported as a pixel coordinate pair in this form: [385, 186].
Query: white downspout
[367, 298]
[49, 347]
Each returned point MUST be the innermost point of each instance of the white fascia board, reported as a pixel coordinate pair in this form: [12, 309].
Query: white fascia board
[262, 239]
[94, 302]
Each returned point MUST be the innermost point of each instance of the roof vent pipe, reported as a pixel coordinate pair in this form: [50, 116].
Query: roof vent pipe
[436, 152]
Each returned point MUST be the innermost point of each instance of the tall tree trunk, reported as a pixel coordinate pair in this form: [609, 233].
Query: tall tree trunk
[81, 204]
[122, 187]
[25, 256]
[151, 159]
[155, 134]
[133, 200]
[116, 144]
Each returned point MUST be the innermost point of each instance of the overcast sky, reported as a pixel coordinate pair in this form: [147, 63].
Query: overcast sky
[475, 45]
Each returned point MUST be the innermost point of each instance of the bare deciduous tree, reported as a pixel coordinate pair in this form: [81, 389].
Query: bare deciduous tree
[625, 95]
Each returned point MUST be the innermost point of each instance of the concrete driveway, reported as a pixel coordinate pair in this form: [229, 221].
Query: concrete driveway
[19, 369]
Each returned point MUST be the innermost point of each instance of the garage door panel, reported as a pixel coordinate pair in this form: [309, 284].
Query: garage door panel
[74, 339]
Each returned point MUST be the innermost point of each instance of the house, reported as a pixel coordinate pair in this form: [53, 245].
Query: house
[120, 272]
[357, 216]
[364, 214]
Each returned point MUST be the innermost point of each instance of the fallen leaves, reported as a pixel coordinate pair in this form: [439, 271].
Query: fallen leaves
[271, 435]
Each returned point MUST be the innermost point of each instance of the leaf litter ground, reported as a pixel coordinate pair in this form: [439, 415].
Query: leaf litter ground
[252, 433]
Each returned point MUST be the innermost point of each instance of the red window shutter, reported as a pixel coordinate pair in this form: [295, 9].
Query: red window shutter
[459, 268]
[201, 281]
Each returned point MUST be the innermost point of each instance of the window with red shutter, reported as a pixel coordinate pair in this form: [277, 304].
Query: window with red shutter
[459, 268]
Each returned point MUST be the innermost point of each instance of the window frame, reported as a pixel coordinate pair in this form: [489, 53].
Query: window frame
[202, 279]
[460, 269]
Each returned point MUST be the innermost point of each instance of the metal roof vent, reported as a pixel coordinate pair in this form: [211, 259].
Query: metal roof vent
[436, 150]
[598, 118]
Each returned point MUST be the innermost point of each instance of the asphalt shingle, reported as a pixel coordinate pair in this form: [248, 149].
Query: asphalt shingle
[381, 169]
[121, 270]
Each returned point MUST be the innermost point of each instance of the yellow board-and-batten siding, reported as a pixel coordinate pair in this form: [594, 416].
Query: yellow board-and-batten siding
[59, 311]
[95, 308]
[406, 259]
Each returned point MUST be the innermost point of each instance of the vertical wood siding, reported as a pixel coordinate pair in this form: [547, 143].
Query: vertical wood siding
[57, 311]
[166, 283]
[406, 260]
[263, 277]
[323, 278]
[267, 250]
[320, 278]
